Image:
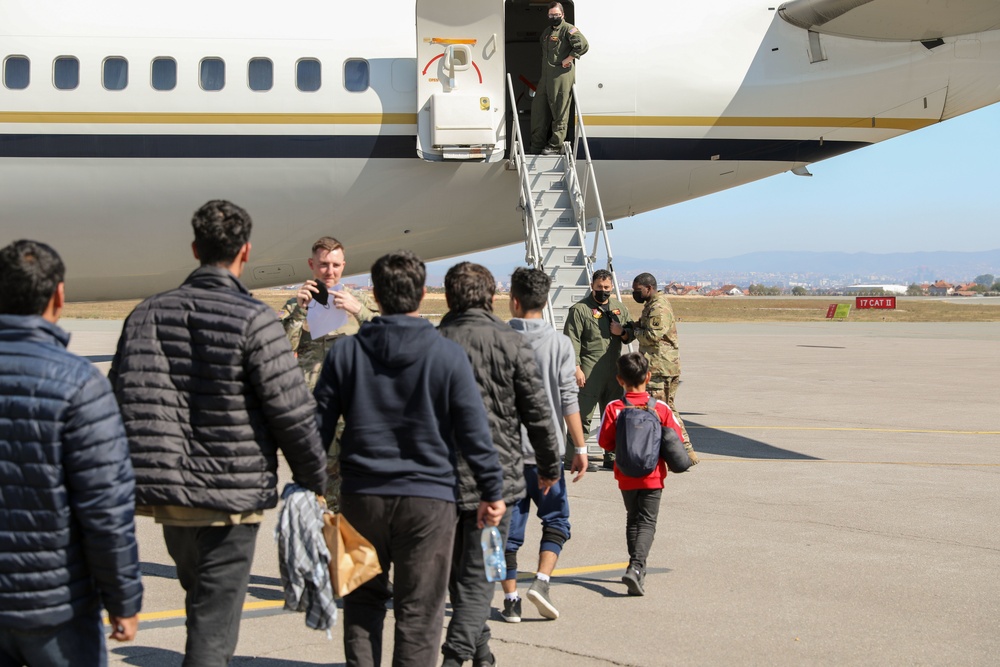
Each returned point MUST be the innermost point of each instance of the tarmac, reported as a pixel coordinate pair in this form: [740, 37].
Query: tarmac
[846, 512]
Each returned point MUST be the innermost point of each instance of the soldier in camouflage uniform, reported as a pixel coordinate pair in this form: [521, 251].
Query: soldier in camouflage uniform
[327, 265]
[656, 332]
[562, 44]
[594, 326]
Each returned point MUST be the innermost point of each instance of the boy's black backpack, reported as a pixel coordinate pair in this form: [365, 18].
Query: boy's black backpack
[637, 438]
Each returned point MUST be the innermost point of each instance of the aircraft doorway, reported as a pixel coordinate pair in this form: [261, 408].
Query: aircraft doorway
[524, 22]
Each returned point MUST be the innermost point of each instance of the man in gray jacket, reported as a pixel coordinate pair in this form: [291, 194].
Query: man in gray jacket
[529, 290]
[514, 394]
[209, 392]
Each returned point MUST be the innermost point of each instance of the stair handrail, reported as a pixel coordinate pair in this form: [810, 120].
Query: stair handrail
[591, 177]
[533, 254]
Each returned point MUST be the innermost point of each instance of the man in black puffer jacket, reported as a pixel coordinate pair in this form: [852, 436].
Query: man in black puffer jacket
[209, 391]
[67, 534]
[514, 394]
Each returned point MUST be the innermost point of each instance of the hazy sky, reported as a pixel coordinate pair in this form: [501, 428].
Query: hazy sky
[932, 189]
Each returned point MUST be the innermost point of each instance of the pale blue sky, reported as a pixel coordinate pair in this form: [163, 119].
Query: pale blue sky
[933, 189]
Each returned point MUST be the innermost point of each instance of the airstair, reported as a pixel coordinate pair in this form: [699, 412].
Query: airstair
[553, 198]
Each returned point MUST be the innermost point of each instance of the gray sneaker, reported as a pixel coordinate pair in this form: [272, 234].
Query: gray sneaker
[633, 580]
[538, 594]
[511, 610]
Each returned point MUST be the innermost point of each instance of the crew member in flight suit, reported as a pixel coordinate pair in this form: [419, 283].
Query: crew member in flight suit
[562, 44]
[595, 326]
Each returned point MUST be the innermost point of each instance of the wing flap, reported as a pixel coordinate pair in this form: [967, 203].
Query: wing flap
[893, 20]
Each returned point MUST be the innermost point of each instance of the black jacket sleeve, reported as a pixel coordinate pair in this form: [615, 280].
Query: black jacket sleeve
[285, 400]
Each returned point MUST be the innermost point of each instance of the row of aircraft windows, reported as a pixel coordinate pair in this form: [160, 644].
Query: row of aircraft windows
[163, 73]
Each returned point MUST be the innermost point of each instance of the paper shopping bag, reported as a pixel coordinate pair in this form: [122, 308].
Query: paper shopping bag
[353, 560]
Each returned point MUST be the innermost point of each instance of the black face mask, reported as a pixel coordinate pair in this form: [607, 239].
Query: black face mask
[554, 22]
[601, 297]
[637, 295]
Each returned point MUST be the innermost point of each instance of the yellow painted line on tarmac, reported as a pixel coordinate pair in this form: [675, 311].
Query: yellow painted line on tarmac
[923, 464]
[278, 604]
[840, 428]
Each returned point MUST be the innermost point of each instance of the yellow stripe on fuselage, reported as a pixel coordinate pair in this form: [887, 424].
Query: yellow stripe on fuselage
[761, 121]
[123, 118]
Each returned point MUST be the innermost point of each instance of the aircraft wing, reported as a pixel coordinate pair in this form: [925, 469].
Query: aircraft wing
[893, 20]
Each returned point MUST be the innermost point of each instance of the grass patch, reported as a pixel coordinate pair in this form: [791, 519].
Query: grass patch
[687, 309]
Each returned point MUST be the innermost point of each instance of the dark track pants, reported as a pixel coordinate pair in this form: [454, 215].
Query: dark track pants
[642, 507]
[415, 536]
[213, 566]
[469, 635]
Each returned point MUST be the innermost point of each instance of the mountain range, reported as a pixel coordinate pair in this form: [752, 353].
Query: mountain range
[784, 267]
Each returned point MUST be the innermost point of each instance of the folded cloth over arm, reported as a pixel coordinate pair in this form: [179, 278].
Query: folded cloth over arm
[304, 559]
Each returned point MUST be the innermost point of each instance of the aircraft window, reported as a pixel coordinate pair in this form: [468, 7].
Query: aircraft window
[260, 74]
[213, 74]
[16, 72]
[163, 75]
[115, 73]
[356, 76]
[66, 73]
[308, 75]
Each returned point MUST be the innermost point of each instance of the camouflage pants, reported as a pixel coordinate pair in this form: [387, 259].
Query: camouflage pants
[664, 388]
[332, 493]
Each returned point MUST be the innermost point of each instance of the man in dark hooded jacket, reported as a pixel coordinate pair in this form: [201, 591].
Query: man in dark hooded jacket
[514, 394]
[410, 406]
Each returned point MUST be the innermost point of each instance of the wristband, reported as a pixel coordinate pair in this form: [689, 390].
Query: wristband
[580, 450]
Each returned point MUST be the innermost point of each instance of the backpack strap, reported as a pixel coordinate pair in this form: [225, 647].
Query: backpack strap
[651, 403]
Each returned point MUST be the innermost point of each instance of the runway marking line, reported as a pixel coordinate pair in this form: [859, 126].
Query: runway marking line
[839, 428]
[278, 604]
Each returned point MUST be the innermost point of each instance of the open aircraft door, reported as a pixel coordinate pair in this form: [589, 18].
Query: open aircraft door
[460, 80]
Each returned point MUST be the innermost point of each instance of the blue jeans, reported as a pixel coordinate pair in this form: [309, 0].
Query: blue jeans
[552, 508]
[77, 642]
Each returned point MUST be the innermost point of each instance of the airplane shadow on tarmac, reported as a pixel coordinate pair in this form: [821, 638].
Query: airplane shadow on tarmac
[708, 440]
[157, 657]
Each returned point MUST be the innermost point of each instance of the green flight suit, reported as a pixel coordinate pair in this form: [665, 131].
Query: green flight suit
[588, 326]
[656, 332]
[550, 108]
[310, 354]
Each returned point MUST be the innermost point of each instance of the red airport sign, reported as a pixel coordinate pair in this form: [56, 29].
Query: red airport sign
[887, 302]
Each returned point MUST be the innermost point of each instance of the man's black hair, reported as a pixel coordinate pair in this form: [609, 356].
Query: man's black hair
[530, 287]
[29, 274]
[646, 280]
[221, 228]
[468, 285]
[601, 274]
[632, 368]
[398, 279]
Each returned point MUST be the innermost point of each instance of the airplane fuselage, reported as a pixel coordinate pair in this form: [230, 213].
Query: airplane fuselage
[679, 100]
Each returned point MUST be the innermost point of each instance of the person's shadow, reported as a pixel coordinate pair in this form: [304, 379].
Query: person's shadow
[145, 656]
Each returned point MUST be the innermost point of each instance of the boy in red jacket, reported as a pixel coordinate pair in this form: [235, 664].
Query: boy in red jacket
[641, 494]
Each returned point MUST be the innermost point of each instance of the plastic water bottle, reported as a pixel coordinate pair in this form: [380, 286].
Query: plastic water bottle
[493, 556]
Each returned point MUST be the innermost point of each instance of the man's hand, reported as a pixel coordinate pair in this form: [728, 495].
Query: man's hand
[617, 329]
[568, 62]
[579, 466]
[346, 301]
[123, 629]
[490, 513]
[545, 484]
[581, 379]
[305, 293]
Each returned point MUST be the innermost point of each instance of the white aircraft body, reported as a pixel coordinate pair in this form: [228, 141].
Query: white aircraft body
[387, 124]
